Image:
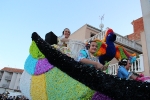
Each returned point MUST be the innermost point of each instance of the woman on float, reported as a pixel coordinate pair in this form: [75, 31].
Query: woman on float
[87, 56]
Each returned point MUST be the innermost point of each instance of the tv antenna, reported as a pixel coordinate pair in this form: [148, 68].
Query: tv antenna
[101, 25]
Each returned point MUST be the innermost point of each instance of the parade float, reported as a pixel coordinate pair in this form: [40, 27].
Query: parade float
[50, 74]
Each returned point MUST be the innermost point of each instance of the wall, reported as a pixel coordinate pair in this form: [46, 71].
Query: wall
[3, 80]
[12, 83]
[145, 6]
[2, 90]
[84, 33]
[79, 34]
[138, 27]
[17, 81]
[145, 55]
[90, 30]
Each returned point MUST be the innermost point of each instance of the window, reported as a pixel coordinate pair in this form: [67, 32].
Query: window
[92, 34]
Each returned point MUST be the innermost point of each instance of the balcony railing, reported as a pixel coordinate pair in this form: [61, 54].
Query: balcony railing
[132, 44]
[119, 39]
[5, 86]
[8, 77]
[97, 36]
[137, 66]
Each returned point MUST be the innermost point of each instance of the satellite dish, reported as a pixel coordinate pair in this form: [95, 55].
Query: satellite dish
[101, 26]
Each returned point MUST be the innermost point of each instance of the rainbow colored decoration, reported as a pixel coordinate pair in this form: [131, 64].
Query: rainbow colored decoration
[71, 80]
[101, 48]
[109, 39]
[113, 51]
[43, 81]
[122, 53]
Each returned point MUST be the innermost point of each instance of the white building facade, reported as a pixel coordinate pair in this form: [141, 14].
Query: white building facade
[9, 80]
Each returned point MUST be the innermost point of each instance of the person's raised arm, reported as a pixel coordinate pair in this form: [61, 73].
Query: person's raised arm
[97, 65]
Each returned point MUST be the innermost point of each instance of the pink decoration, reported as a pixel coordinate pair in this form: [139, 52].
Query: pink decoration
[144, 79]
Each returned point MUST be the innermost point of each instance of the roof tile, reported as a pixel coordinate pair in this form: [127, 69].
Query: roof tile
[16, 70]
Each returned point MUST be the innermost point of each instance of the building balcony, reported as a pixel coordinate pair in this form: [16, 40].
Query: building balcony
[5, 85]
[8, 77]
[119, 40]
[137, 66]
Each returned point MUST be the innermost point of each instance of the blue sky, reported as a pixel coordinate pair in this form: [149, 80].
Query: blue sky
[19, 18]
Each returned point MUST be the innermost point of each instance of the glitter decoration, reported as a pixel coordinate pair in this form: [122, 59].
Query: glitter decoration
[42, 66]
[38, 87]
[112, 86]
[30, 64]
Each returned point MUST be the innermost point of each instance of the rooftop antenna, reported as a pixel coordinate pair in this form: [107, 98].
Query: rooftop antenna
[101, 26]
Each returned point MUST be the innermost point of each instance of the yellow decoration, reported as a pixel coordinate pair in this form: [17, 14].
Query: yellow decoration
[38, 87]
